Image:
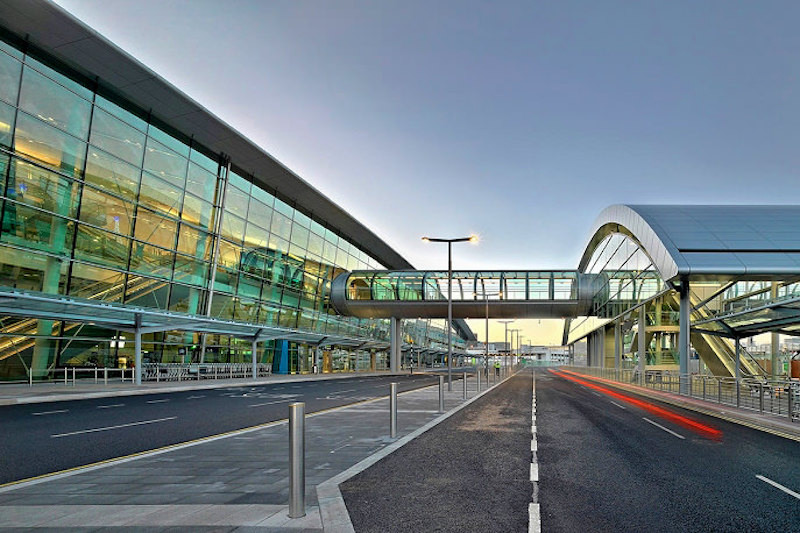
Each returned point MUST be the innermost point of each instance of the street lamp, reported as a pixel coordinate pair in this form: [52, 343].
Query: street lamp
[486, 298]
[506, 323]
[513, 349]
[473, 239]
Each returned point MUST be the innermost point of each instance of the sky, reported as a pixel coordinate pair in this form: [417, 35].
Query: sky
[518, 121]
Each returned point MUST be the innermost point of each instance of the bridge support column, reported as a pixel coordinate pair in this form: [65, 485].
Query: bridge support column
[683, 335]
[641, 335]
[395, 333]
[617, 347]
[774, 338]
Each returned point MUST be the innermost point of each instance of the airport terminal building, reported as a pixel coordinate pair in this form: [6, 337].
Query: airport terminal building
[127, 207]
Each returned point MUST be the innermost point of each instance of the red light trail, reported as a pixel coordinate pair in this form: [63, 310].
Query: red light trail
[701, 429]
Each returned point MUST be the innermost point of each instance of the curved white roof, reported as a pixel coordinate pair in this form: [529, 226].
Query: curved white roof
[708, 241]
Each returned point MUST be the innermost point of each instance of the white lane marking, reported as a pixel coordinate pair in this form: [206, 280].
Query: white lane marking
[196, 397]
[595, 393]
[94, 430]
[534, 518]
[778, 486]
[534, 512]
[43, 413]
[339, 448]
[344, 391]
[269, 403]
[112, 406]
[618, 405]
[158, 401]
[656, 424]
[535, 472]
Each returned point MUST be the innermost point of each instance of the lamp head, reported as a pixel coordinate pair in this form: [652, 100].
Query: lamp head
[426, 239]
[473, 239]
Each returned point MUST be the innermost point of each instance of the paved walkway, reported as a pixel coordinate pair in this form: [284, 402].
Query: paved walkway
[234, 482]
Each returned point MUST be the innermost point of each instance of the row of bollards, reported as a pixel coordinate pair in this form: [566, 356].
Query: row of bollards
[297, 467]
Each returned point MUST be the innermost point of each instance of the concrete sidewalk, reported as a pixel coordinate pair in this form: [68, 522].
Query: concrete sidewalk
[235, 482]
[57, 391]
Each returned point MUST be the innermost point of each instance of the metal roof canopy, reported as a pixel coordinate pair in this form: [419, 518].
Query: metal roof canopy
[780, 316]
[121, 317]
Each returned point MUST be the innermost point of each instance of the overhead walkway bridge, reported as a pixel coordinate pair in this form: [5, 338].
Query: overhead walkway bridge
[656, 284]
[501, 294]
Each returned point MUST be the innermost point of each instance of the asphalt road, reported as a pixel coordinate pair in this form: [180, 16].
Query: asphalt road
[38, 439]
[607, 463]
[469, 473]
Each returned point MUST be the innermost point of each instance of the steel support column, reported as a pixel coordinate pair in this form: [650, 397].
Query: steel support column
[641, 335]
[254, 360]
[137, 350]
[617, 346]
[684, 335]
[396, 343]
[738, 371]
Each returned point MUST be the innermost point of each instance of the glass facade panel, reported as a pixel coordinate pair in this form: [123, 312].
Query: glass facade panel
[7, 115]
[10, 70]
[198, 212]
[53, 104]
[98, 246]
[160, 195]
[106, 211]
[165, 163]
[112, 175]
[117, 137]
[48, 145]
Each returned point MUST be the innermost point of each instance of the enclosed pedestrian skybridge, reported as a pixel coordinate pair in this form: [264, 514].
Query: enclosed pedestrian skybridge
[501, 294]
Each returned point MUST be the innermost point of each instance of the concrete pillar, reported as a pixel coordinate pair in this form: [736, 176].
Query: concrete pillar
[372, 362]
[396, 343]
[684, 334]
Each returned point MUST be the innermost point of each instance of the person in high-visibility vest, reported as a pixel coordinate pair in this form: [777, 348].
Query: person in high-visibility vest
[497, 368]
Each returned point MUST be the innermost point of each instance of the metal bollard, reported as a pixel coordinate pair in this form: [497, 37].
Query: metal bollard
[790, 401]
[95, 375]
[393, 410]
[761, 397]
[215, 371]
[65, 376]
[297, 464]
[30, 377]
[465, 386]
[73, 376]
[719, 391]
[704, 387]
[105, 376]
[441, 394]
[478, 378]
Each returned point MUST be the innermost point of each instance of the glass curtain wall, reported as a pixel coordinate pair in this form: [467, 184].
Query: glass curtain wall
[97, 202]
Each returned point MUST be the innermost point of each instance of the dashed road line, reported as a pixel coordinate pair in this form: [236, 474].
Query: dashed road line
[45, 413]
[269, 403]
[196, 397]
[111, 406]
[108, 428]
[158, 401]
[656, 424]
[534, 511]
[619, 405]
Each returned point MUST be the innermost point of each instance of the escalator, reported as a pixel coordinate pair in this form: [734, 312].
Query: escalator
[717, 353]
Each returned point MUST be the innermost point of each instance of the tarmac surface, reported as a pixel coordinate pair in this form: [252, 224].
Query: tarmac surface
[610, 457]
[469, 473]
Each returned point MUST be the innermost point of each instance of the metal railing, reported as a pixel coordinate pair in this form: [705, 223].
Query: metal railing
[197, 371]
[779, 397]
[150, 372]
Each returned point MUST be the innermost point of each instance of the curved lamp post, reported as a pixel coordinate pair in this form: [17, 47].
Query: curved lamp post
[473, 239]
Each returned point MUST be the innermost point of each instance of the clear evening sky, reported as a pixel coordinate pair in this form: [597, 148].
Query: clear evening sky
[519, 121]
